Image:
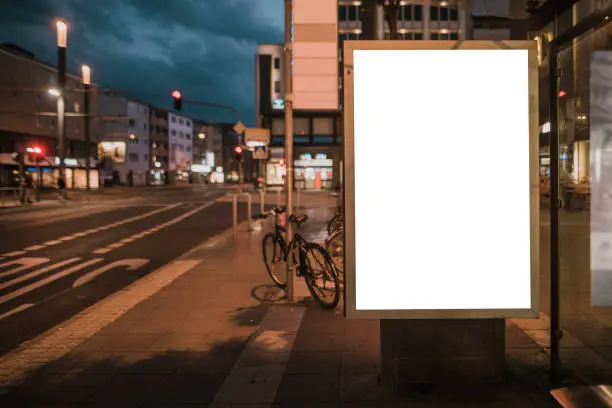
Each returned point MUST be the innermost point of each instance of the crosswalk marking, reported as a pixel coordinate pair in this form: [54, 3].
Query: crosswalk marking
[16, 310]
[48, 280]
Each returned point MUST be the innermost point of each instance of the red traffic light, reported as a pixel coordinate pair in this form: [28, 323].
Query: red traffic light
[176, 94]
[238, 149]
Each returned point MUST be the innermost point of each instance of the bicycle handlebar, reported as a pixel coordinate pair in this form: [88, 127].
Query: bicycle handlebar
[273, 211]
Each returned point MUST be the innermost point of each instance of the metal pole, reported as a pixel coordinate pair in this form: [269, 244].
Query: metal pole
[297, 198]
[289, 137]
[235, 211]
[250, 210]
[61, 109]
[278, 200]
[555, 321]
[87, 135]
[262, 198]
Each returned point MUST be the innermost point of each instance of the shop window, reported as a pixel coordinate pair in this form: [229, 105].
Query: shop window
[278, 127]
[301, 126]
[322, 126]
[301, 140]
[277, 140]
[323, 140]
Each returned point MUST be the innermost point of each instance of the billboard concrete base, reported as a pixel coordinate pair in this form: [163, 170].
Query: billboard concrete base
[442, 351]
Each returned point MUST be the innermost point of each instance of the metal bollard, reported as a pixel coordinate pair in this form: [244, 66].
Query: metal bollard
[250, 210]
[297, 199]
[262, 205]
[235, 211]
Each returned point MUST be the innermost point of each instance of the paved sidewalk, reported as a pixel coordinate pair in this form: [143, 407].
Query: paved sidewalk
[214, 333]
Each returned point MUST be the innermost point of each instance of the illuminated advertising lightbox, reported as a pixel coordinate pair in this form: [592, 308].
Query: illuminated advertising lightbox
[455, 232]
[114, 151]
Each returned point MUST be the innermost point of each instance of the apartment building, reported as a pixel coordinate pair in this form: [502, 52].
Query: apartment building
[180, 147]
[138, 151]
[158, 140]
[28, 117]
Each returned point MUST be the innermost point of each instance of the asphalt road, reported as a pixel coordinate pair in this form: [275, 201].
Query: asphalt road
[55, 263]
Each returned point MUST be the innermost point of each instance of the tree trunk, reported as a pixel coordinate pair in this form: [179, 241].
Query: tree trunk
[392, 10]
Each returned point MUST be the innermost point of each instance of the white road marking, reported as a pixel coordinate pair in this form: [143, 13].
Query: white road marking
[37, 272]
[14, 253]
[132, 265]
[63, 338]
[16, 310]
[49, 279]
[34, 247]
[153, 229]
[25, 263]
[90, 231]
[68, 238]
[259, 370]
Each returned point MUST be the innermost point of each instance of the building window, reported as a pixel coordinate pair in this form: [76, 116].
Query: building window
[77, 107]
[132, 123]
[173, 119]
[181, 122]
[278, 127]
[434, 13]
[454, 14]
[342, 13]
[188, 123]
[443, 14]
[418, 36]
[406, 13]
[276, 63]
[454, 36]
[322, 126]
[133, 157]
[353, 13]
[188, 136]
[144, 125]
[188, 149]
[146, 157]
[277, 86]
[38, 99]
[301, 126]
[181, 148]
[52, 123]
[417, 12]
[37, 121]
[173, 132]
[435, 36]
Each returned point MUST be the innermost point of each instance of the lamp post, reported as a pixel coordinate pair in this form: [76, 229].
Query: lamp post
[86, 71]
[62, 34]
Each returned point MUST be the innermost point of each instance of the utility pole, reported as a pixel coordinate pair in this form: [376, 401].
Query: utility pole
[62, 34]
[87, 85]
[289, 137]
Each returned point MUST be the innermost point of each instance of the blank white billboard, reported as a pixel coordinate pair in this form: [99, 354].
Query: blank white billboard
[444, 225]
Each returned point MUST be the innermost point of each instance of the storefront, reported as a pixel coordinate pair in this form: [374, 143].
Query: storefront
[314, 172]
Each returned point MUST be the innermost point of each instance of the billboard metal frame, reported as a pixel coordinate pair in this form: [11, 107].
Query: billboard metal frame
[349, 172]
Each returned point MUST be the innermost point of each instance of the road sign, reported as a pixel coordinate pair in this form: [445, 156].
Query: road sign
[239, 127]
[260, 152]
[257, 136]
[278, 104]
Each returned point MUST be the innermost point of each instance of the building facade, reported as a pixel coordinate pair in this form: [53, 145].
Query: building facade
[138, 152]
[28, 117]
[180, 147]
[158, 141]
[114, 139]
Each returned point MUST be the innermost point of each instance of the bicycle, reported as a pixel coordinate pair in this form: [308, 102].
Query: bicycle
[337, 220]
[301, 253]
[334, 245]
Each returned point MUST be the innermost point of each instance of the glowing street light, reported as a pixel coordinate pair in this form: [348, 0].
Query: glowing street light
[201, 135]
[86, 71]
[54, 92]
[62, 34]
[132, 136]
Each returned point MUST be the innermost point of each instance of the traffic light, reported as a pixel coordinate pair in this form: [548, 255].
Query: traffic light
[238, 153]
[178, 99]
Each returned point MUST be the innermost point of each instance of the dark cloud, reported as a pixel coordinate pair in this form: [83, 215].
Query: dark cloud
[205, 47]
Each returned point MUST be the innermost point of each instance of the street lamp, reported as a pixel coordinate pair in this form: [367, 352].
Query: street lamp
[54, 92]
[62, 42]
[86, 71]
[201, 135]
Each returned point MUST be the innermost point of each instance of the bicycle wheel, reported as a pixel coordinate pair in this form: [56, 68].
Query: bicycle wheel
[273, 256]
[334, 224]
[334, 245]
[319, 266]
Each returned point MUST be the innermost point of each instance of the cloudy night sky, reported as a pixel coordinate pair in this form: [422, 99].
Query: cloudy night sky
[204, 47]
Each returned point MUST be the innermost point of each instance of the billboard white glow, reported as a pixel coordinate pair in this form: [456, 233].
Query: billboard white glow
[448, 226]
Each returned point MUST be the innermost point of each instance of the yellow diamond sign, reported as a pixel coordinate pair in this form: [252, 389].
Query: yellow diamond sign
[239, 128]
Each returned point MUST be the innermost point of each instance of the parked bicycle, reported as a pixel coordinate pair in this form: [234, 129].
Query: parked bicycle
[337, 221]
[311, 260]
[334, 245]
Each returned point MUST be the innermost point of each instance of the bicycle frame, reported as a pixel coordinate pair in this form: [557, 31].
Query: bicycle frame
[297, 241]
